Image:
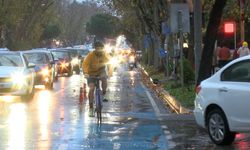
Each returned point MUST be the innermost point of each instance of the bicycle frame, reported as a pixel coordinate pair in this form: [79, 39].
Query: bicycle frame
[98, 101]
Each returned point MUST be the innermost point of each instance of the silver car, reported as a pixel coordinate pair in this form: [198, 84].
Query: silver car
[16, 75]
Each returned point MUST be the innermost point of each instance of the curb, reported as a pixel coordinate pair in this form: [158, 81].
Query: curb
[164, 95]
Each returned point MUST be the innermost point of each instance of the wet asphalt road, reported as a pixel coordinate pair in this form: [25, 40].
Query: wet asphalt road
[132, 119]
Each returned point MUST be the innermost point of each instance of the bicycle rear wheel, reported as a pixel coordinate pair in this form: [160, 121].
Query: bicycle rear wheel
[98, 105]
[99, 116]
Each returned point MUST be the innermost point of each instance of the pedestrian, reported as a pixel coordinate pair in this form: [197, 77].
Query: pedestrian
[243, 50]
[215, 59]
[223, 56]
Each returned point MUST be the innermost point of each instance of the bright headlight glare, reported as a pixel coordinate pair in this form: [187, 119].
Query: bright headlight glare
[113, 61]
[45, 72]
[74, 61]
[64, 65]
[132, 58]
[18, 78]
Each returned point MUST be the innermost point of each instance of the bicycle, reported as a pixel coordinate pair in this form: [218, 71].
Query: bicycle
[98, 101]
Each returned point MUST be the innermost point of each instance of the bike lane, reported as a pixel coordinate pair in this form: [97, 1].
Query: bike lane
[129, 120]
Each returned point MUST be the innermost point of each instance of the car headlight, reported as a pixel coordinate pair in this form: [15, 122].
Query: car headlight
[113, 61]
[64, 65]
[75, 61]
[18, 78]
[45, 72]
[132, 58]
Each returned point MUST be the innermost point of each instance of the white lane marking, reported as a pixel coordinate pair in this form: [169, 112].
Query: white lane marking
[164, 127]
[63, 147]
[155, 107]
[166, 132]
[157, 111]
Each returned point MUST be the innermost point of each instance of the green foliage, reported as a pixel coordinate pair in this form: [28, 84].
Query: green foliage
[188, 72]
[51, 31]
[184, 95]
[103, 25]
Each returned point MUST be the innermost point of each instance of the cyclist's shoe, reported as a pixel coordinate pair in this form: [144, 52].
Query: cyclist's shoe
[105, 100]
[91, 112]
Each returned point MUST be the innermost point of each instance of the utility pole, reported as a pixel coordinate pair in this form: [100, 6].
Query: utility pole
[242, 19]
[197, 35]
[180, 43]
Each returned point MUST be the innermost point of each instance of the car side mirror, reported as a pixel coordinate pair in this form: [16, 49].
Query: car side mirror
[31, 65]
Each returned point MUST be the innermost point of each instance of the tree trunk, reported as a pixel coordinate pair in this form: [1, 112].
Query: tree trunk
[151, 51]
[210, 37]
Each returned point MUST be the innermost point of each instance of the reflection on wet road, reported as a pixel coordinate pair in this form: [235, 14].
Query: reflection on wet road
[56, 120]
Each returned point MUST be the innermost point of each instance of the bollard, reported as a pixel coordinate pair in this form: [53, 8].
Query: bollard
[84, 91]
[81, 95]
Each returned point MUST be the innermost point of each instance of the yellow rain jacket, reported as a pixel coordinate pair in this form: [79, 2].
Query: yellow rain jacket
[95, 62]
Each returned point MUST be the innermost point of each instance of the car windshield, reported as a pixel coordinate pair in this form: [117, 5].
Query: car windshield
[60, 54]
[83, 52]
[14, 60]
[37, 58]
[73, 53]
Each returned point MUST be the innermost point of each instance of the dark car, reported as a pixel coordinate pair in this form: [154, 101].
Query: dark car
[43, 67]
[75, 61]
[82, 54]
[63, 61]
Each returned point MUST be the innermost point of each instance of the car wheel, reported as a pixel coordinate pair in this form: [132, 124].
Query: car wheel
[28, 95]
[218, 128]
[77, 70]
[70, 73]
[49, 85]
[56, 78]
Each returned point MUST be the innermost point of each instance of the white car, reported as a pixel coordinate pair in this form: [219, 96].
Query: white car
[16, 76]
[222, 103]
[4, 49]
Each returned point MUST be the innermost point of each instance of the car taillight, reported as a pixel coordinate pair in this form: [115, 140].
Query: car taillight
[197, 89]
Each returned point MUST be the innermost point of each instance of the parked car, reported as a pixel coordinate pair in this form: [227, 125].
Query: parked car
[82, 54]
[4, 49]
[44, 67]
[63, 61]
[75, 61]
[222, 102]
[16, 75]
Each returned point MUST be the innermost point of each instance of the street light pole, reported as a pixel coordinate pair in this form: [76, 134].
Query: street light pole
[197, 35]
[242, 20]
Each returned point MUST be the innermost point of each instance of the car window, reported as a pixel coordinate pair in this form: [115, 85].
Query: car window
[83, 52]
[239, 72]
[37, 58]
[11, 60]
[60, 54]
[50, 57]
[73, 52]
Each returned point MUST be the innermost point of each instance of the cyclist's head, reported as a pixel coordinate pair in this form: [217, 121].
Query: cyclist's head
[98, 46]
[245, 44]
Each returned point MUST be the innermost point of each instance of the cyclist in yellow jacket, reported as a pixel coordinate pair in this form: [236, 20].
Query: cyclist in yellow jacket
[96, 64]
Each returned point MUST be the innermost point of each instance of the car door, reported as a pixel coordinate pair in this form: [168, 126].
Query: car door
[30, 72]
[234, 94]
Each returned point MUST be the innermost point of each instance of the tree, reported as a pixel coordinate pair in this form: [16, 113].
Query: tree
[103, 25]
[21, 23]
[73, 18]
[210, 37]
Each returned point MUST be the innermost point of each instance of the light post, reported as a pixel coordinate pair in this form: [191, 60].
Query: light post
[242, 19]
